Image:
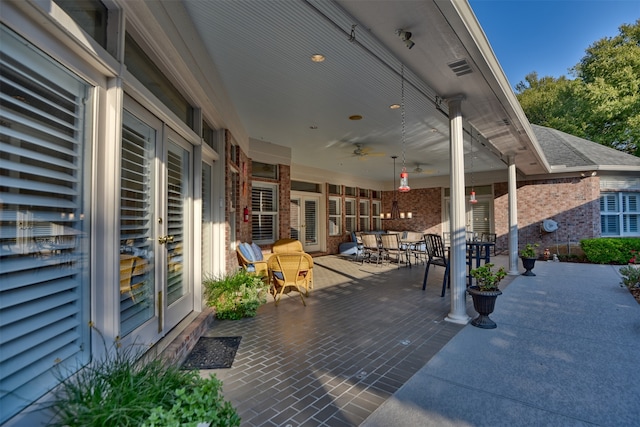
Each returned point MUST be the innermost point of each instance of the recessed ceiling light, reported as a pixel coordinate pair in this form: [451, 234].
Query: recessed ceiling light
[355, 117]
[317, 57]
[394, 106]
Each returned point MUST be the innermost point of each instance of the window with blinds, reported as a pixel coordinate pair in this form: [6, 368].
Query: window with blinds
[365, 222]
[335, 216]
[44, 224]
[376, 211]
[350, 215]
[264, 212]
[619, 214]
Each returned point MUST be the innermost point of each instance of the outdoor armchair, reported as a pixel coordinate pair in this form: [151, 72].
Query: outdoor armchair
[290, 271]
[251, 259]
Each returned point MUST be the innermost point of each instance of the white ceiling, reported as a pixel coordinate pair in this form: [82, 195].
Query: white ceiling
[262, 51]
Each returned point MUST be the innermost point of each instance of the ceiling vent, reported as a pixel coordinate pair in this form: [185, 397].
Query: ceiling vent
[460, 67]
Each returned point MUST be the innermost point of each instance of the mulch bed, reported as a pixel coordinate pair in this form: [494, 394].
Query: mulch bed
[636, 294]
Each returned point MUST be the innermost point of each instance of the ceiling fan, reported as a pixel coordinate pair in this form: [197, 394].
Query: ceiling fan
[362, 152]
[419, 170]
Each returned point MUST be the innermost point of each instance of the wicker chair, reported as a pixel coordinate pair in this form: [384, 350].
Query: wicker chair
[287, 271]
[251, 260]
[287, 246]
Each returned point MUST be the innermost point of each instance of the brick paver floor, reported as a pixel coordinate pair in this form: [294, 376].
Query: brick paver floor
[365, 331]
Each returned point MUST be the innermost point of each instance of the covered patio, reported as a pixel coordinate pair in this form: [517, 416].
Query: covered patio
[371, 348]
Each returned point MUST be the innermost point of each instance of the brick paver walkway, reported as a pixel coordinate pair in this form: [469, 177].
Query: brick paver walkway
[365, 331]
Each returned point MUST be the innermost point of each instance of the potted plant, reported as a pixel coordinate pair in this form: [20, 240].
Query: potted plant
[235, 295]
[529, 256]
[484, 293]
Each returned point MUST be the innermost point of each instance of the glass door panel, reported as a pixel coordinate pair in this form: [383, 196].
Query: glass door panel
[177, 238]
[137, 236]
[304, 223]
[177, 199]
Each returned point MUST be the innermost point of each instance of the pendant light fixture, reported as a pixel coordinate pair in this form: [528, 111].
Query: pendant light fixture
[472, 196]
[404, 176]
[395, 210]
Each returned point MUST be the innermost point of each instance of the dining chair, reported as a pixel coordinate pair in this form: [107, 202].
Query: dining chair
[414, 241]
[390, 245]
[490, 237]
[371, 247]
[438, 255]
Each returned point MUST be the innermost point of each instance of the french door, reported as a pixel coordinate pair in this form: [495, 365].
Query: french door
[305, 225]
[156, 287]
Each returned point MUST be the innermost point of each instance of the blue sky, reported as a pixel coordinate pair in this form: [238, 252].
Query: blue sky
[548, 36]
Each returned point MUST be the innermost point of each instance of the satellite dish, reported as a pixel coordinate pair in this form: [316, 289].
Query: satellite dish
[549, 225]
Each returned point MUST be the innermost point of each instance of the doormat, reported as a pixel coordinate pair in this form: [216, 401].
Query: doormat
[212, 353]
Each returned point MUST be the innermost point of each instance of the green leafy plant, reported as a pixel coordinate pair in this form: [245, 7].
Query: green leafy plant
[610, 250]
[125, 388]
[199, 405]
[529, 251]
[630, 276]
[486, 279]
[235, 295]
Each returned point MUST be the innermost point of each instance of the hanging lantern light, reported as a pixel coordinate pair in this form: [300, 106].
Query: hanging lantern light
[404, 176]
[472, 197]
[404, 181]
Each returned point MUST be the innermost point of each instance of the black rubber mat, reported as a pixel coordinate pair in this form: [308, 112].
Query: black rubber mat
[212, 353]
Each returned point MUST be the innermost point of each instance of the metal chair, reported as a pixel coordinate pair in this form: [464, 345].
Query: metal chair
[416, 246]
[490, 237]
[438, 255]
[390, 245]
[371, 247]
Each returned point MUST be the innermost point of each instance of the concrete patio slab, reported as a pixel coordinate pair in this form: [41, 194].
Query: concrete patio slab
[565, 353]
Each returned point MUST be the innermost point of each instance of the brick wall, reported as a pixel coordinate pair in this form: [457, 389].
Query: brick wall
[424, 204]
[572, 202]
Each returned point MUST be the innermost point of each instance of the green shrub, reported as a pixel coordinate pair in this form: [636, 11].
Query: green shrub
[610, 250]
[235, 295]
[200, 404]
[124, 389]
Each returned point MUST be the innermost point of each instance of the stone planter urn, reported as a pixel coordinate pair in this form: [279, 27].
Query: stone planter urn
[483, 302]
[528, 264]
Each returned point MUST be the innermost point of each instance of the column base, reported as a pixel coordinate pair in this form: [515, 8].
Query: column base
[460, 320]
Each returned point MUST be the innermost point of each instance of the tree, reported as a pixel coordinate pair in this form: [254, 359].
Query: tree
[602, 103]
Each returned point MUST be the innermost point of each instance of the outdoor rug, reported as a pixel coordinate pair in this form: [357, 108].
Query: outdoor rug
[212, 353]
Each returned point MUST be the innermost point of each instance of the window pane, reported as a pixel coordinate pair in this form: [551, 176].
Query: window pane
[143, 68]
[609, 225]
[90, 15]
[44, 224]
[264, 206]
[264, 170]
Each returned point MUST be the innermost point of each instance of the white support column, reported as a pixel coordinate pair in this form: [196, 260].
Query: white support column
[458, 268]
[513, 218]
